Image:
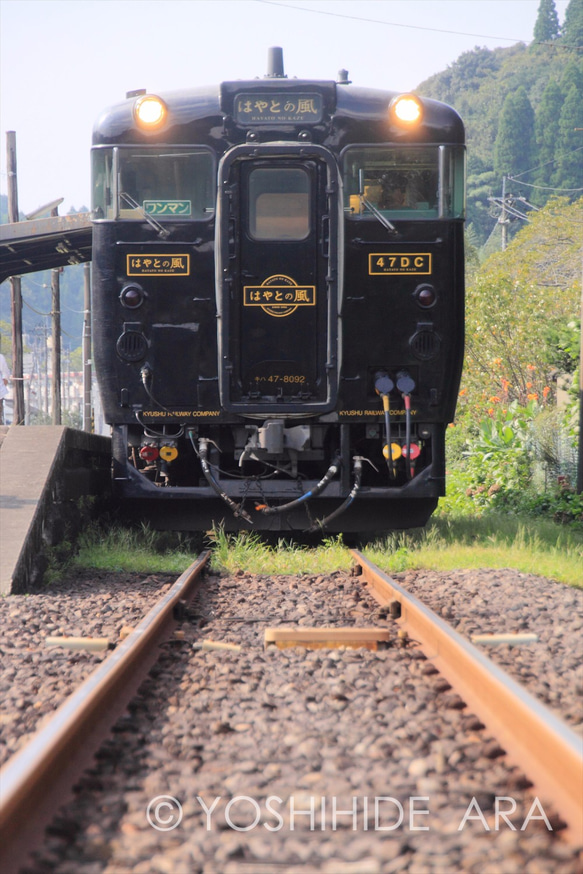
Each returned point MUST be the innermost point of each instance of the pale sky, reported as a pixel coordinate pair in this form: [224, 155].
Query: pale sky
[64, 61]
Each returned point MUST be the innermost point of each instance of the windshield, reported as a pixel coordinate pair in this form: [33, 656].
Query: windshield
[414, 182]
[164, 183]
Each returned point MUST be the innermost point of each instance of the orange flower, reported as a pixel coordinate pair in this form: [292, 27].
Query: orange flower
[532, 397]
[546, 391]
[495, 400]
[491, 411]
[463, 392]
[529, 384]
[530, 367]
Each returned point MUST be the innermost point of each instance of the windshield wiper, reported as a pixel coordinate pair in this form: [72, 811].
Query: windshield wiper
[377, 214]
[160, 230]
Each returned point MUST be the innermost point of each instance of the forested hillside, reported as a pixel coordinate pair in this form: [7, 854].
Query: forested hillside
[523, 111]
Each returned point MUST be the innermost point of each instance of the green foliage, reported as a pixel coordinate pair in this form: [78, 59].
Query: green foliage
[547, 134]
[562, 504]
[138, 549]
[519, 460]
[563, 345]
[252, 552]
[499, 456]
[547, 22]
[534, 546]
[569, 173]
[514, 147]
[36, 295]
[484, 86]
[573, 25]
[510, 447]
[516, 298]
[6, 342]
[448, 542]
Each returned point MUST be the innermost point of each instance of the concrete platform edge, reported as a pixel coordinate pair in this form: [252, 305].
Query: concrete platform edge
[44, 470]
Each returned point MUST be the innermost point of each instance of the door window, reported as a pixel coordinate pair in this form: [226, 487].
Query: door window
[279, 203]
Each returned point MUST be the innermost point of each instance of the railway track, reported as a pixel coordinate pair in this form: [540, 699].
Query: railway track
[236, 685]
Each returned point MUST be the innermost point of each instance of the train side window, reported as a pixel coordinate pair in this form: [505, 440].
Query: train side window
[279, 203]
[102, 181]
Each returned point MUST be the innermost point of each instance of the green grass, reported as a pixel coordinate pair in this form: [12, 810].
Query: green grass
[448, 543]
[140, 550]
[248, 551]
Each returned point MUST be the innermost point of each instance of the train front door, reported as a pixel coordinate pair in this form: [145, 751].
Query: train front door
[278, 279]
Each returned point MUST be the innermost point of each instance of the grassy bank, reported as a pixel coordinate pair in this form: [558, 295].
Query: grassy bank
[448, 543]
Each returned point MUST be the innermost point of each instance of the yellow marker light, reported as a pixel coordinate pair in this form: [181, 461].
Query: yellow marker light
[406, 109]
[168, 453]
[150, 111]
[396, 451]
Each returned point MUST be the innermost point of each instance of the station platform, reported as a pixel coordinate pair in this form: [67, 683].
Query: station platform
[47, 473]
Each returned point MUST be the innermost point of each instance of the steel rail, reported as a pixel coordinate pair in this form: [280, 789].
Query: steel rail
[39, 778]
[548, 751]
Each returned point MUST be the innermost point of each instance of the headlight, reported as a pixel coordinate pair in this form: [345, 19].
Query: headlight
[406, 110]
[150, 111]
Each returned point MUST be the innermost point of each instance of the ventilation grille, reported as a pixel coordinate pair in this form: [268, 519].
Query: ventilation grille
[425, 344]
[132, 346]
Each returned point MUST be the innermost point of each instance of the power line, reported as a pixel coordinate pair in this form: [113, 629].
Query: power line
[398, 24]
[543, 187]
[546, 164]
[30, 306]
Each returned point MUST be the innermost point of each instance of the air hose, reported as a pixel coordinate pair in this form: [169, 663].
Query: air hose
[202, 455]
[383, 387]
[320, 524]
[330, 473]
[405, 385]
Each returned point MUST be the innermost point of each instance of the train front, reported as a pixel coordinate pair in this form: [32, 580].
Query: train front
[278, 303]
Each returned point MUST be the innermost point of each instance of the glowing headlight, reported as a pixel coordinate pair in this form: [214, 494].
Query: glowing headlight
[150, 111]
[406, 109]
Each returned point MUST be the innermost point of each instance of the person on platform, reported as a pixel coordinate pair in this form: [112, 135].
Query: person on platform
[4, 380]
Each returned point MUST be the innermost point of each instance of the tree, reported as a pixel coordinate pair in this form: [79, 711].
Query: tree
[514, 149]
[518, 295]
[547, 133]
[570, 144]
[547, 22]
[573, 24]
[572, 75]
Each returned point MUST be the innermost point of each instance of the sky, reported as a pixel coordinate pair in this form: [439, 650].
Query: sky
[63, 61]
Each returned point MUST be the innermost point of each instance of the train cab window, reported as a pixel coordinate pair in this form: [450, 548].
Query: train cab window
[176, 184]
[412, 183]
[279, 203]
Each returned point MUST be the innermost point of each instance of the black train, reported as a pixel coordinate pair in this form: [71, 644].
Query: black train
[278, 302]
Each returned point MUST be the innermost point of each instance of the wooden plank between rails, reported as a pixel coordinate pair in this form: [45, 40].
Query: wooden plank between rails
[327, 638]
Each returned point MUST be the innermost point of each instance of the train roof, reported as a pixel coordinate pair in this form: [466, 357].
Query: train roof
[341, 103]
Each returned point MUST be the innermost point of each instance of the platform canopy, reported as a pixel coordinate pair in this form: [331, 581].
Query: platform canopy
[41, 244]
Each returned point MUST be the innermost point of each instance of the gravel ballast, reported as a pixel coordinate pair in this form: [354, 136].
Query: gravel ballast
[333, 760]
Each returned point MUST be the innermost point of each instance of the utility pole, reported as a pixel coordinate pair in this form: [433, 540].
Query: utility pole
[86, 348]
[503, 220]
[580, 458]
[15, 288]
[56, 408]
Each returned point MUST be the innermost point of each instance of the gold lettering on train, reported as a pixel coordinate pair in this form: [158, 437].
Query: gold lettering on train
[387, 263]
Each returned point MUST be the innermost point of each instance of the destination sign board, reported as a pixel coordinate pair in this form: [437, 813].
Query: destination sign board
[278, 107]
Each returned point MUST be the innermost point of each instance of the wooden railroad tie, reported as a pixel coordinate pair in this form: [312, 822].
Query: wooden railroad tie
[327, 638]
